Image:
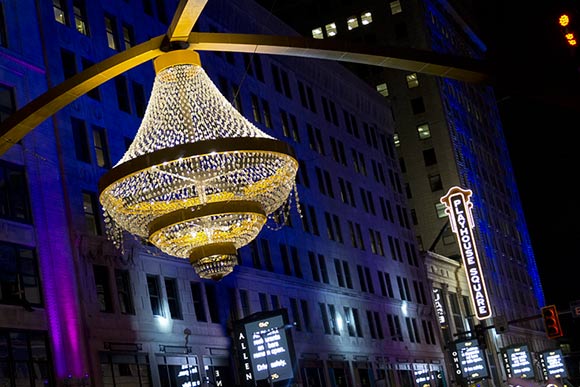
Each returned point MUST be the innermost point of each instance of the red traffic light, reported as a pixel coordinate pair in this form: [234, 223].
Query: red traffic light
[552, 322]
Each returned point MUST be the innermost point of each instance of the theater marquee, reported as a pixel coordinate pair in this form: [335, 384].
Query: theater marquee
[458, 207]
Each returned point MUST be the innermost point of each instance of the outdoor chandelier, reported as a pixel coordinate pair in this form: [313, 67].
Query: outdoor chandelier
[199, 180]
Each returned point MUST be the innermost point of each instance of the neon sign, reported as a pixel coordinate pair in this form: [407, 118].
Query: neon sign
[458, 207]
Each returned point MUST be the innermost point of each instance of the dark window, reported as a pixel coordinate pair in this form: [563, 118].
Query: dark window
[197, 295]
[3, 37]
[212, 302]
[148, 7]
[417, 105]
[139, 98]
[173, 299]
[20, 280]
[25, 358]
[14, 199]
[161, 11]
[123, 281]
[154, 295]
[122, 94]
[81, 140]
[7, 102]
[435, 183]
[103, 287]
[429, 157]
[69, 63]
[94, 93]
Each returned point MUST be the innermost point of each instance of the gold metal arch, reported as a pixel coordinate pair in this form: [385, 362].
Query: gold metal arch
[23, 121]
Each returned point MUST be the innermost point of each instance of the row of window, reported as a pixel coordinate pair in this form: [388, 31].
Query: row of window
[79, 17]
[203, 295]
[353, 22]
[261, 259]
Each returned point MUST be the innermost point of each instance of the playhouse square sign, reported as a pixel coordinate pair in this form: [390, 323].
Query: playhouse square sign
[458, 207]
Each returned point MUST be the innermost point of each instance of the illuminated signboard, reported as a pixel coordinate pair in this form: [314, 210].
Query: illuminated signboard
[469, 360]
[264, 347]
[458, 207]
[439, 308]
[518, 362]
[552, 363]
[422, 375]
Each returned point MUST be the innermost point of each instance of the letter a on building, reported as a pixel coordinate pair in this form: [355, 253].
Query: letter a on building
[458, 208]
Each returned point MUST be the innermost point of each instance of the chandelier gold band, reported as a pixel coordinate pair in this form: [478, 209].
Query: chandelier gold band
[208, 209]
[176, 57]
[226, 248]
[200, 148]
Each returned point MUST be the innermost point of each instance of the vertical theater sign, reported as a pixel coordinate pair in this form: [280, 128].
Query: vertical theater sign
[458, 207]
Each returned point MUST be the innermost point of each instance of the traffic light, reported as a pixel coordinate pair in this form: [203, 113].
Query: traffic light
[552, 322]
[566, 23]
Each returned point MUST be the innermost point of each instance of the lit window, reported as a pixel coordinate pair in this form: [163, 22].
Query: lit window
[128, 36]
[440, 208]
[59, 11]
[382, 89]
[111, 31]
[412, 80]
[317, 33]
[331, 29]
[366, 18]
[352, 23]
[80, 17]
[423, 131]
[396, 140]
[395, 7]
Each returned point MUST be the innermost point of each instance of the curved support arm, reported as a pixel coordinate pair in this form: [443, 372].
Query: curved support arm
[15, 127]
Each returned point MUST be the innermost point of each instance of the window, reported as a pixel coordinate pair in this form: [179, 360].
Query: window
[212, 302]
[395, 7]
[281, 81]
[306, 315]
[198, 306]
[112, 35]
[383, 90]
[69, 63]
[14, 199]
[60, 15]
[366, 18]
[161, 12]
[123, 282]
[80, 17]
[122, 94]
[101, 147]
[352, 23]
[417, 105]
[94, 93]
[81, 141]
[20, 280]
[412, 80]
[7, 102]
[435, 183]
[266, 113]
[289, 126]
[330, 29]
[396, 140]
[3, 37]
[90, 208]
[128, 36]
[103, 288]
[245, 301]
[154, 295]
[139, 98]
[317, 33]
[440, 209]
[429, 157]
[173, 298]
[423, 131]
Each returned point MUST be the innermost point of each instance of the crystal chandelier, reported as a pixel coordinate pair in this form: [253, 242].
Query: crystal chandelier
[199, 180]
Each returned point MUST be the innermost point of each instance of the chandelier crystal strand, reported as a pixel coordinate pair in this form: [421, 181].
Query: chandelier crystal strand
[199, 180]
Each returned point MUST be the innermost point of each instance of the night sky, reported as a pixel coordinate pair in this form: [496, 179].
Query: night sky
[537, 81]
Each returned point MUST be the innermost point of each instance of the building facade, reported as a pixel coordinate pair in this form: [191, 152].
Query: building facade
[346, 266]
